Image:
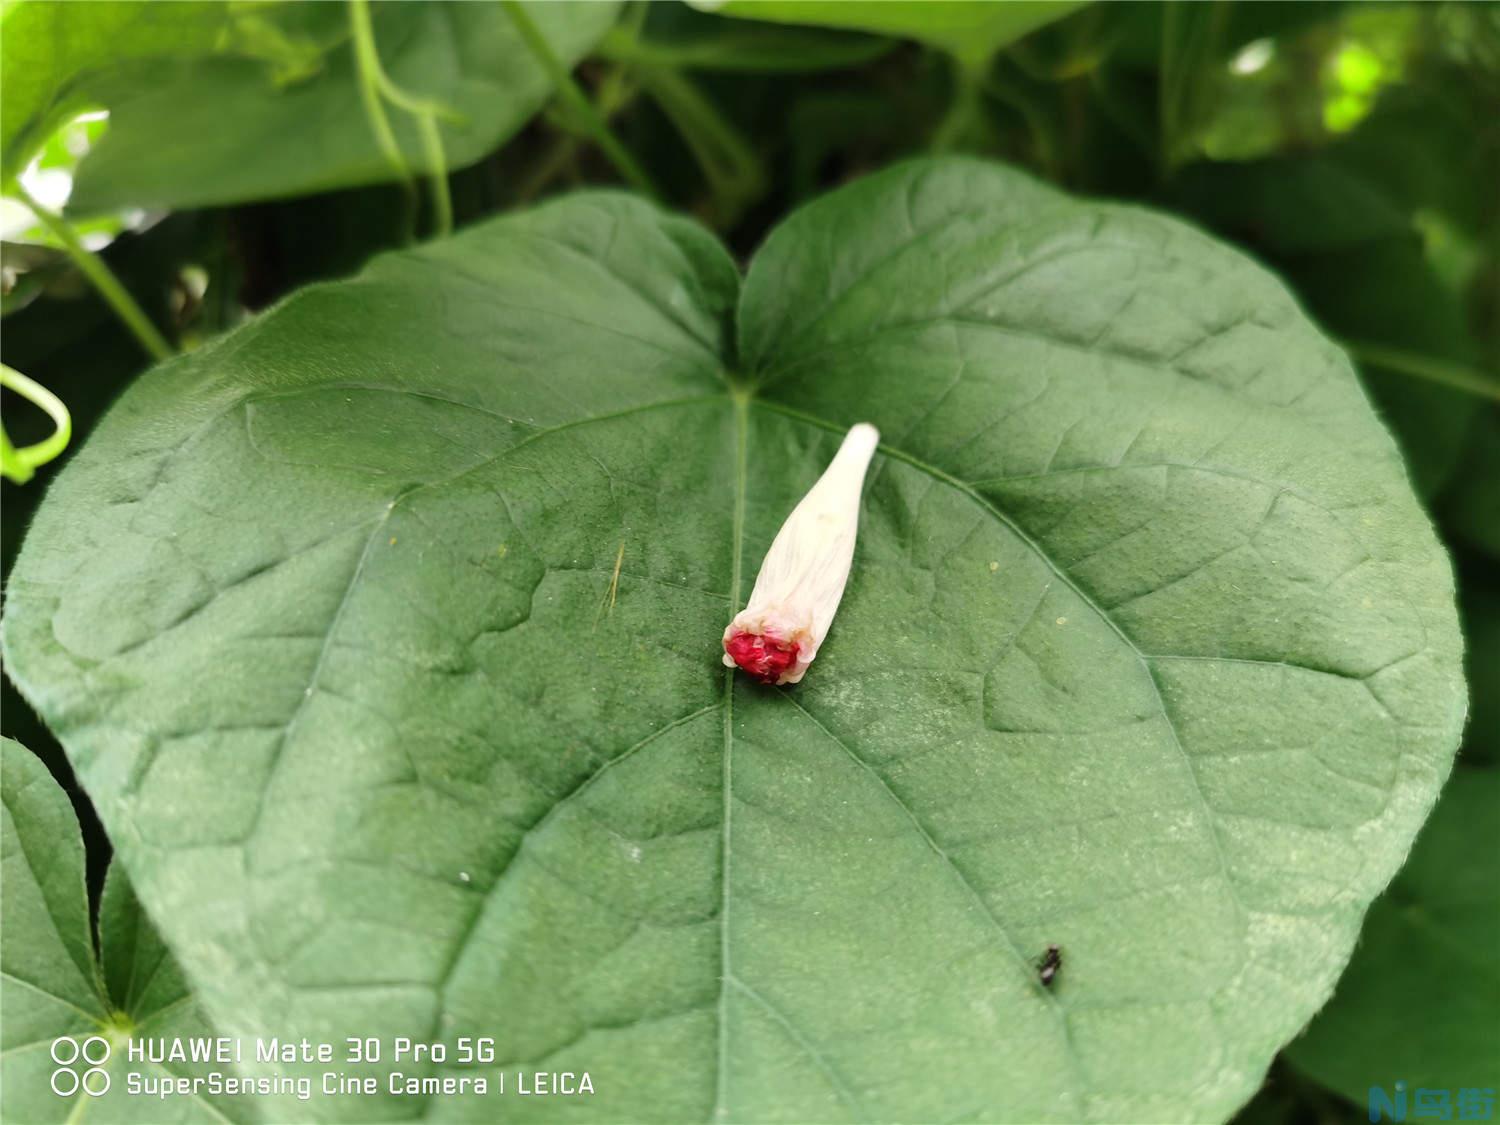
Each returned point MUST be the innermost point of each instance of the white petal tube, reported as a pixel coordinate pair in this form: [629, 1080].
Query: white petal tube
[778, 633]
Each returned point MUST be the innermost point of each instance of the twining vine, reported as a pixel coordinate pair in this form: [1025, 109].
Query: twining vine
[376, 89]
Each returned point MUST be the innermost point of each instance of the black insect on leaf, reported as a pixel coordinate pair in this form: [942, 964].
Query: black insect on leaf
[1049, 965]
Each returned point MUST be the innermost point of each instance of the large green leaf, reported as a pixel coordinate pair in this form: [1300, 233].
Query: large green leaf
[53, 987]
[181, 125]
[971, 29]
[46, 48]
[385, 636]
[1431, 945]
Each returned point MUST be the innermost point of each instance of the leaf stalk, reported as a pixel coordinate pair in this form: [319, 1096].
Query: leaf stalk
[1444, 372]
[375, 89]
[575, 99]
[100, 276]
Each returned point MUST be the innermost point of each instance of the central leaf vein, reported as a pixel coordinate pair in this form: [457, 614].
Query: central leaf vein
[741, 441]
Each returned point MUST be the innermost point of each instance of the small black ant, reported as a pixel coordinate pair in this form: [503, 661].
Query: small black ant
[1048, 965]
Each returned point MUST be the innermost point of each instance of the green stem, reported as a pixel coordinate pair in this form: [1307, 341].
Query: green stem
[1166, 89]
[1458, 376]
[426, 114]
[100, 276]
[965, 110]
[614, 94]
[375, 89]
[1011, 94]
[367, 60]
[729, 162]
[1190, 38]
[577, 101]
[19, 465]
[552, 163]
[442, 202]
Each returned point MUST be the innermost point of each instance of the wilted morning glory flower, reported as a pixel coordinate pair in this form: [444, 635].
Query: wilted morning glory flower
[776, 636]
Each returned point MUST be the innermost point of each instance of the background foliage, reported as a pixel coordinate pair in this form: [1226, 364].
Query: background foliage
[251, 149]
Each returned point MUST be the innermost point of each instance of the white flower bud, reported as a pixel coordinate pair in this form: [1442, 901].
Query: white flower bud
[776, 636]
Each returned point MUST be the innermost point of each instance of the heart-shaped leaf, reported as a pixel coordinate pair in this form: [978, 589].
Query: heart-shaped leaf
[384, 634]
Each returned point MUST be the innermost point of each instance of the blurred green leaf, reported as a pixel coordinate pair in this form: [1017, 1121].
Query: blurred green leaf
[1139, 27]
[972, 30]
[678, 35]
[1363, 282]
[49, 53]
[1420, 1001]
[1369, 54]
[221, 128]
[1347, 234]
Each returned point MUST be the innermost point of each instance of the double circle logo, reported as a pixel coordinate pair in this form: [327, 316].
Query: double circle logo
[68, 1053]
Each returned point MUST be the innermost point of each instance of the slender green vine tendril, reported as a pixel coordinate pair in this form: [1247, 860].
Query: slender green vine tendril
[578, 102]
[1444, 372]
[375, 89]
[432, 146]
[99, 275]
[965, 117]
[730, 164]
[20, 464]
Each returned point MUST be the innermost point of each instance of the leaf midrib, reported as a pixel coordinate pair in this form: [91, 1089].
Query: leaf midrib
[741, 440]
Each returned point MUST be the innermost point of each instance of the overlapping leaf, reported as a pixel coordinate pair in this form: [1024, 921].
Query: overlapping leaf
[56, 988]
[193, 88]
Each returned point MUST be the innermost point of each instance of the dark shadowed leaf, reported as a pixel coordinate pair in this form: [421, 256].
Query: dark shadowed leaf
[1420, 1002]
[55, 988]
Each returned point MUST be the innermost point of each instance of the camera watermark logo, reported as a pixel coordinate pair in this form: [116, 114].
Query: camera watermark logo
[80, 1066]
[1467, 1103]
